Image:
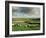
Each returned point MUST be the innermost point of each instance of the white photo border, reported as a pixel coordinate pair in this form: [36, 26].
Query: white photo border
[25, 32]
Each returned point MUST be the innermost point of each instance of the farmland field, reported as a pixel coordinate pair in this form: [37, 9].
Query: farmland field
[24, 24]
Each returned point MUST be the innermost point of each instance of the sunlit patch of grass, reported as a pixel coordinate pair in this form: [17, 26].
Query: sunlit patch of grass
[22, 27]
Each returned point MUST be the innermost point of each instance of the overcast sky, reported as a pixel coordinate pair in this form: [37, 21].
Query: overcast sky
[25, 12]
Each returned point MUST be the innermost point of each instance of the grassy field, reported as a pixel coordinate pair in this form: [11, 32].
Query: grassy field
[24, 24]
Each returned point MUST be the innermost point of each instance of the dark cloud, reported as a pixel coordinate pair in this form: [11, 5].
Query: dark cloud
[22, 9]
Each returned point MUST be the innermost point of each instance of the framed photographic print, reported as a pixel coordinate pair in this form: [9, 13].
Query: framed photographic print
[24, 18]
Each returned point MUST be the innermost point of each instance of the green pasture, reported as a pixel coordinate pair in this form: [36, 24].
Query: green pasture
[25, 24]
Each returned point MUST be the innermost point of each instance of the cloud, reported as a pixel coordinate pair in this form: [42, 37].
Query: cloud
[26, 12]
